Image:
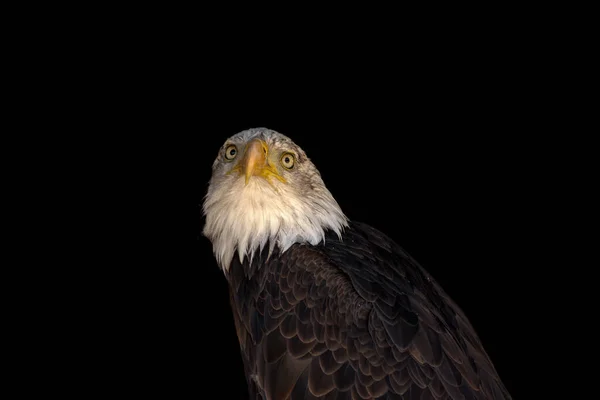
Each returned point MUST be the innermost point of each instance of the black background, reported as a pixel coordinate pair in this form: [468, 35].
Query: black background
[438, 142]
[463, 133]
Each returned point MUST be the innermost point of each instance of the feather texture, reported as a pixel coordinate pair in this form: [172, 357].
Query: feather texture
[354, 318]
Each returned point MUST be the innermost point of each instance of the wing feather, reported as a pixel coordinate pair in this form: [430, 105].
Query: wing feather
[354, 319]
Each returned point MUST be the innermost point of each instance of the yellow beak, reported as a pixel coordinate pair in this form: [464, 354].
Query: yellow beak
[255, 162]
[255, 159]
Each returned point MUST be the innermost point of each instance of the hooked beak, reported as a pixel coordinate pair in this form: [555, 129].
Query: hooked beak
[255, 162]
[255, 158]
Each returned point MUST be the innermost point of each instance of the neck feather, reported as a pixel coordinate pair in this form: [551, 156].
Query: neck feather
[244, 218]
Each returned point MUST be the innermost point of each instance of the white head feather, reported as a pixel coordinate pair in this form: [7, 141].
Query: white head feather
[245, 217]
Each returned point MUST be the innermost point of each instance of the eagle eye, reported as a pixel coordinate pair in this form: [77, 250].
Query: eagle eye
[287, 160]
[230, 152]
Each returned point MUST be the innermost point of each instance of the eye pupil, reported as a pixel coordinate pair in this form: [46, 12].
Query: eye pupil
[287, 160]
[230, 152]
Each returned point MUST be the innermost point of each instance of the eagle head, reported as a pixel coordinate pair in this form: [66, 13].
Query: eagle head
[265, 190]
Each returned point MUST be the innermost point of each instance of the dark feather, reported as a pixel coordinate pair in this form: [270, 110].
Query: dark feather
[361, 390]
[354, 319]
[303, 313]
[328, 363]
[340, 355]
[319, 349]
[298, 348]
[274, 347]
[305, 332]
[319, 382]
[344, 377]
[280, 377]
[288, 327]
[378, 388]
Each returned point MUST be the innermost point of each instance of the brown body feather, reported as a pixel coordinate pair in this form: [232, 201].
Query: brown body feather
[354, 319]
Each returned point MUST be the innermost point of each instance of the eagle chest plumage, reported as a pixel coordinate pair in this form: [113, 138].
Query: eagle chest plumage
[354, 318]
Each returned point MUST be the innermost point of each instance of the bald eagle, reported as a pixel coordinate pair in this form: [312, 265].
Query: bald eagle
[325, 307]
